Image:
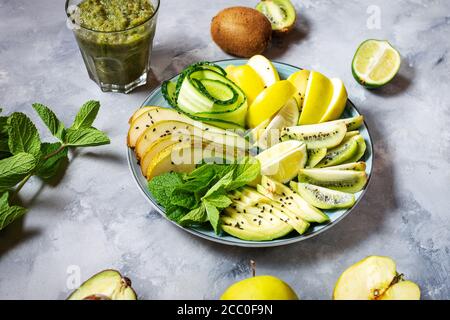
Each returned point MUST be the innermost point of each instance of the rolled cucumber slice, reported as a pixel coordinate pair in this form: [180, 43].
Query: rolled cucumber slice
[204, 93]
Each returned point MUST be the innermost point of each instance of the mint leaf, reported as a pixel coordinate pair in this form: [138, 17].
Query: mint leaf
[195, 216]
[86, 137]
[15, 168]
[23, 135]
[48, 168]
[8, 213]
[175, 213]
[52, 122]
[245, 172]
[220, 201]
[163, 186]
[184, 199]
[86, 116]
[221, 184]
[213, 215]
[4, 137]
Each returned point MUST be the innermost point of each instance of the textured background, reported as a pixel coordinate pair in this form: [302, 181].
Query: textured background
[96, 218]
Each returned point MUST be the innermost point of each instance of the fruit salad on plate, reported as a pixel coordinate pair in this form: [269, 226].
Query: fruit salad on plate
[248, 153]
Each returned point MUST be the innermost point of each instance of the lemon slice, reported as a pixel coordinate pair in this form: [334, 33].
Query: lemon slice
[268, 102]
[265, 69]
[300, 80]
[318, 95]
[375, 63]
[247, 79]
[337, 103]
[283, 161]
[286, 117]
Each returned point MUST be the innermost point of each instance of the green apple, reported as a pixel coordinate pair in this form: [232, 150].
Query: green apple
[374, 278]
[259, 288]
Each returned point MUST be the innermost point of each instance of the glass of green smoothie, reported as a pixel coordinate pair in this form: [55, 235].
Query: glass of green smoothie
[115, 39]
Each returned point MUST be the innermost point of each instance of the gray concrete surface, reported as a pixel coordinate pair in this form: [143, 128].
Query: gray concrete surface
[96, 218]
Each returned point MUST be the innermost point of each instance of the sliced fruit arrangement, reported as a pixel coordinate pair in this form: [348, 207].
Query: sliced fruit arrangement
[376, 62]
[106, 285]
[374, 278]
[299, 157]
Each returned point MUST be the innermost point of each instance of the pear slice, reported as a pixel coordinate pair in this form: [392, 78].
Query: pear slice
[374, 278]
[403, 290]
[106, 285]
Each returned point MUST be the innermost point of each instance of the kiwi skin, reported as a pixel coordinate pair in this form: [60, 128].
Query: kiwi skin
[241, 31]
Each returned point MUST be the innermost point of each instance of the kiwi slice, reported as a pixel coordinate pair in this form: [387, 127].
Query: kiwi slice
[342, 180]
[281, 14]
[322, 135]
[339, 154]
[315, 156]
[355, 166]
[324, 198]
[361, 149]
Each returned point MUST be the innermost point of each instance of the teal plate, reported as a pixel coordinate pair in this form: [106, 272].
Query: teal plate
[156, 98]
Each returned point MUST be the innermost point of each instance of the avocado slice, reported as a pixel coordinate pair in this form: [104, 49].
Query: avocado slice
[253, 226]
[274, 209]
[106, 285]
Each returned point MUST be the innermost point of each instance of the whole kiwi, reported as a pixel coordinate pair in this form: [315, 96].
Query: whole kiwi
[241, 31]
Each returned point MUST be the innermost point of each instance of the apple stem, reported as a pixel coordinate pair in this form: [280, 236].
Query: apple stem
[253, 266]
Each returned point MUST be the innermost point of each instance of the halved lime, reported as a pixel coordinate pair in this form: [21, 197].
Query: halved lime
[375, 63]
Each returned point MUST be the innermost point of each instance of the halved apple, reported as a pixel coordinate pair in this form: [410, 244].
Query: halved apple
[265, 69]
[403, 290]
[319, 92]
[268, 102]
[337, 103]
[247, 79]
[373, 278]
[300, 80]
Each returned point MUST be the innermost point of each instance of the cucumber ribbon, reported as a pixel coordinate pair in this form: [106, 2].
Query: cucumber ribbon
[203, 92]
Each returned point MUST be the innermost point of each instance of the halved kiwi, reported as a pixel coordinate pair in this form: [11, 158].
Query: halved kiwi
[281, 14]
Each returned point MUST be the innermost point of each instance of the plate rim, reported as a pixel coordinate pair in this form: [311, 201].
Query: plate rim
[244, 243]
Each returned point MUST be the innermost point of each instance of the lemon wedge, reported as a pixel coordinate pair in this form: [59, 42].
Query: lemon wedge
[318, 95]
[247, 79]
[283, 161]
[265, 69]
[337, 103]
[268, 102]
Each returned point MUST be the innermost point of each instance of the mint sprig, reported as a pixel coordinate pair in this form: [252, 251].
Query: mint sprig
[23, 154]
[200, 196]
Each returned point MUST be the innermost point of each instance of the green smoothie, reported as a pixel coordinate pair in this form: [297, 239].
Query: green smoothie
[115, 38]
